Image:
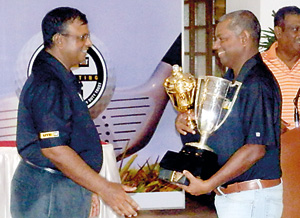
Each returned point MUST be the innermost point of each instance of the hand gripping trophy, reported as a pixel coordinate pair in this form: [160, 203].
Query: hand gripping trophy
[212, 99]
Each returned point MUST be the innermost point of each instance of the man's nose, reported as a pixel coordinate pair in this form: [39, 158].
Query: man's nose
[88, 42]
[216, 45]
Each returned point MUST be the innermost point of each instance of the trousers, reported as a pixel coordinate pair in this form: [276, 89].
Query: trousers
[259, 203]
[39, 193]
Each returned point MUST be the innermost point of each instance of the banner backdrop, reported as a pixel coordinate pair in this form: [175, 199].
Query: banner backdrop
[130, 38]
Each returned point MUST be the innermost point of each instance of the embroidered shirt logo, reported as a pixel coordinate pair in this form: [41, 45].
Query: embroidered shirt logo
[47, 135]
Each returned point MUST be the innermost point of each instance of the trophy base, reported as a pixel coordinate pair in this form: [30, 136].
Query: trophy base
[199, 146]
[200, 162]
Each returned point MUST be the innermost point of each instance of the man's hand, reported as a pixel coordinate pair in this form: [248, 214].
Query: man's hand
[114, 195]
[244, 158]
[197, 186]
[181, 123]
[95, 206]
[71, 164]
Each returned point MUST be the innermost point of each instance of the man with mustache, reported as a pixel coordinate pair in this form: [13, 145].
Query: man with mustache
[248, 183]
[283, 59]
[56, 137]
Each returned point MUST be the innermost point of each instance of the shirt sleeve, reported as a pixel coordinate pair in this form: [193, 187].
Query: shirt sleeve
[259, 113]
[51, 111]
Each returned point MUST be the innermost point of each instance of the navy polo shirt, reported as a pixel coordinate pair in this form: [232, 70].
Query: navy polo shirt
[254, 119]
[52, 113]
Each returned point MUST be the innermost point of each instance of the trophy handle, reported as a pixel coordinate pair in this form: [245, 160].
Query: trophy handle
[197, 94]
[229, 104]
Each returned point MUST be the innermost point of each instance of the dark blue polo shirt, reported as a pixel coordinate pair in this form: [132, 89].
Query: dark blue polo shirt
[254, 119]
[52, 113]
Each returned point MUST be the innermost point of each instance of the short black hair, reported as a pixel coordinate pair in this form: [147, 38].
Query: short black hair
[282, 12]
[56, 21]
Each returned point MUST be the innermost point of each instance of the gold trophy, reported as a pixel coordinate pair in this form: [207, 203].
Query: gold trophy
[214, 98]
[180, 88]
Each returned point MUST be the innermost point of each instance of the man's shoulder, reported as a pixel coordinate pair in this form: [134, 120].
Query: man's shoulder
[255, 67]
[260, 75]
[42, 86]
[46, 66]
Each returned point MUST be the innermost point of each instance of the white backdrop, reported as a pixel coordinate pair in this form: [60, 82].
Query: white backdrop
[261, 8]
[132, 35]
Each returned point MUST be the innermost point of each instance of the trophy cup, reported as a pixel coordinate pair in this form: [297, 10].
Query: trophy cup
[214, 99]
[180, 88]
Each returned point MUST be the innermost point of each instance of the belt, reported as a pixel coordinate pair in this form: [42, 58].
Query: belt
[247, 185]
[47, 169]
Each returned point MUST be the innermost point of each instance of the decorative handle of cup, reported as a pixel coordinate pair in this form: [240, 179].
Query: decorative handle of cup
[199, 82]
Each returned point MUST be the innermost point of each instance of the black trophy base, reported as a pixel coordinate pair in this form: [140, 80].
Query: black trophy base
[201, 163]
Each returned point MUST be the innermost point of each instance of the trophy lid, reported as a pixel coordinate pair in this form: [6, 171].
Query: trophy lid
[180, 88]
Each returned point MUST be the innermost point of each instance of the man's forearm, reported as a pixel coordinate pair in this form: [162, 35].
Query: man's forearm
[240, 162]
[72, 165]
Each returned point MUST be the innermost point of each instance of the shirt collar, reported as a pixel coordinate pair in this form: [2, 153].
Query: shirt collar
[245, 70]
[271, 52]
[67, 77]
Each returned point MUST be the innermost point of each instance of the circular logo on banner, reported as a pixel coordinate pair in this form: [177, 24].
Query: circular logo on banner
[92, 73]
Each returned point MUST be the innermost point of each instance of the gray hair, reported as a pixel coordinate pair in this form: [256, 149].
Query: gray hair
[243, 20]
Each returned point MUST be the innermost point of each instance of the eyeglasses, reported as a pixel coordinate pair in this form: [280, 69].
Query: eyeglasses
[82, 38]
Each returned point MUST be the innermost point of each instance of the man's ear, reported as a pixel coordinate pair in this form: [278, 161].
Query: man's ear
[245, 37]
[57, 39]
[278, 32]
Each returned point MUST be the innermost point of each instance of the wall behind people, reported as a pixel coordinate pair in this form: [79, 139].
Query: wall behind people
[261, 8]
[133, 36]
